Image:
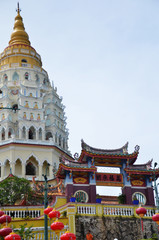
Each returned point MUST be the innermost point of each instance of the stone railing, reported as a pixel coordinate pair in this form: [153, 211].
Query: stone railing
[111, 210]
[86, 210]
[23, 213]
[118, 211]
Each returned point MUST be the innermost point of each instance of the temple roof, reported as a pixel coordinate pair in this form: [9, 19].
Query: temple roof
[73, 168]
[101, 154]
[87, 148]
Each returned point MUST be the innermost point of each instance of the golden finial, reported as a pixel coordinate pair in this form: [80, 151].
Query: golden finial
[18, 9]
[19, 35]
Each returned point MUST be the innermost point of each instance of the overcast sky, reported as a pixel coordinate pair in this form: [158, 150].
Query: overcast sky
[103, 58]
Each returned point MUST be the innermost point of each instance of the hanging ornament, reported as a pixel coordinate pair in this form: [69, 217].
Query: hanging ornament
[68, 236]
[5, 231]
[5, 219]
[12, 236]
[54, 214]
[57, 227]
[156, 218]
[48, 210]
[141, 211]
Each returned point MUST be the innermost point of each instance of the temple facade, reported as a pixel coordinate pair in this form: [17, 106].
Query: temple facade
[33, 129]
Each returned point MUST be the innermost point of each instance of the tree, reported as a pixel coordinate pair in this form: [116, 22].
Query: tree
[13, 189]
[25, 233]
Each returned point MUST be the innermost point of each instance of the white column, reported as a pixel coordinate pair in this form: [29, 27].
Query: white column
[50, 171]
[2, 171]
[20, 133]
[40, 171]
[23, 170]
[43, 135]
[37, 135]
[27, 133]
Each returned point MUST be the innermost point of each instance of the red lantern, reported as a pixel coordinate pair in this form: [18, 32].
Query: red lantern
[5, 219]
[156, 218]
[68, 236]
[57, 226]
[54, 214]
[1, 213]
[12, 236]
[141, 211]
[48, 210]
[5, 231]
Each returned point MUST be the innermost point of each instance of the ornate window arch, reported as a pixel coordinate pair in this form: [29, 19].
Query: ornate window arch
[5, 77]
[48, 135]
[81, 196]
[139, 196]
[15, 76]
[32, 133]
[24, 132]
[26, 75]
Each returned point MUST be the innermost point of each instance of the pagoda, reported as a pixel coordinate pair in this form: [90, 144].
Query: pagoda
[33, 132]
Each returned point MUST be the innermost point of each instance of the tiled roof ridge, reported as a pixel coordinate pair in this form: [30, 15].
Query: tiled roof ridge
[88, 148]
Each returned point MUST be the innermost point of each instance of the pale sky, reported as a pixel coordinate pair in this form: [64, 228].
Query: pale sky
[103, 58]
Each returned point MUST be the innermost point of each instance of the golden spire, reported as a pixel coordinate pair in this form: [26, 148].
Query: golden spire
[19, 35]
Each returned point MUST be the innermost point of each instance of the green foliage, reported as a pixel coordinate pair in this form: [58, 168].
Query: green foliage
[154, 237]
[13, 189]
[122, 199]
[64, 214]
[25, 233]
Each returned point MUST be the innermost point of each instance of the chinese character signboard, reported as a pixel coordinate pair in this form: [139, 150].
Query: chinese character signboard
[109, 179]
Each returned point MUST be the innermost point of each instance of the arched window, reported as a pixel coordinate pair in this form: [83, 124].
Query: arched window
[81, 196]
[32, 133]
[26, 76]
[3, 134]
[139, 196]
[63, 143]
[15, 77]
[60, 140]
[56, 138]
[10, 132]
[24, 132]
[48, 135]
[24, 60]
[37, 79]
[5, 77]
[40, 134]
[30, 169]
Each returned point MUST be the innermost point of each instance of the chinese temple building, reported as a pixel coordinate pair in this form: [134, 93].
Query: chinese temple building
[81, 175]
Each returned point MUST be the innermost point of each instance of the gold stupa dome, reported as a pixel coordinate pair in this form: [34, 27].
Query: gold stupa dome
[19, 35]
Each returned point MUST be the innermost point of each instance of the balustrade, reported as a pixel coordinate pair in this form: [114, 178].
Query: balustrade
[23, 213]
[86, 210]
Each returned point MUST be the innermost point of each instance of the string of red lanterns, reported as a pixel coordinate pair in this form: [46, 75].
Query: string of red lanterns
[7, 231]
[141, 212]
[57, 226]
